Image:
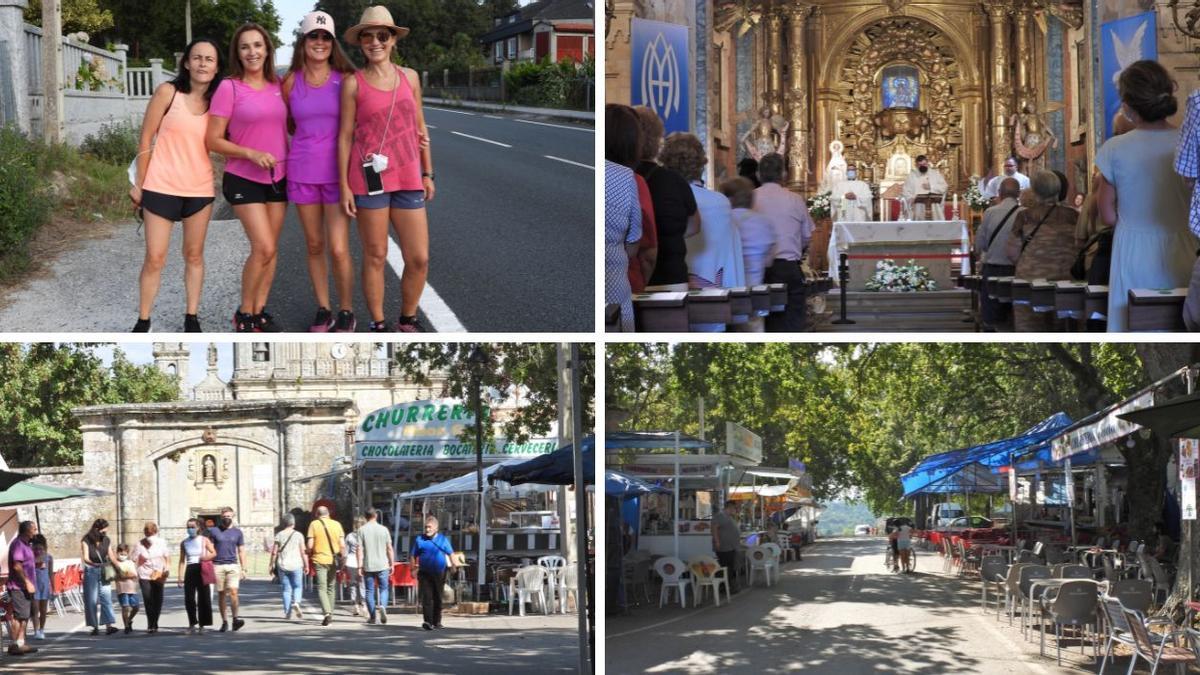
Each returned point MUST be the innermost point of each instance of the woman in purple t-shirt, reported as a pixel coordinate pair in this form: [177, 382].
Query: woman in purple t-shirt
[312, 91]
[248, 124]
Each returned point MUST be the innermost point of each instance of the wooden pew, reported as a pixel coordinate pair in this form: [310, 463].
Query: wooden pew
[1152, 309]
[1069, 301]
[661, 312]
[1095, 304]
[1041, 295]
[1022, 291]
[612, 318]
[1004, 290]
[760, 298]
[740, 305]
[709, 310]
[779, 297]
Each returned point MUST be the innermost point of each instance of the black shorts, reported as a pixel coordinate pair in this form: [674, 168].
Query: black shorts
[21, 603]
[171, 207]
[238, 190]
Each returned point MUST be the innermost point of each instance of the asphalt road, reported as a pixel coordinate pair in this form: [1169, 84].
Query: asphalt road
[270, 643]
[511, 247]
[840, 612]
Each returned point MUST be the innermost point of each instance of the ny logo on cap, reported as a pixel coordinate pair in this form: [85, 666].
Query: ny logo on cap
[321, 20]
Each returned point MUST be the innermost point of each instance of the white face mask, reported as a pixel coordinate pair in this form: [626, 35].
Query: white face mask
[122, 557]
[852, 174]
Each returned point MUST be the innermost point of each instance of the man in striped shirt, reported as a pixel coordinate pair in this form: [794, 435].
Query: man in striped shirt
[1187, 164]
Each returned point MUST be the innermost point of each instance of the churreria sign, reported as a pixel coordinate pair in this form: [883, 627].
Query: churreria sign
[432, 430]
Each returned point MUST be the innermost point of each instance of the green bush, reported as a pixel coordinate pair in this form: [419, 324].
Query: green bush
[544, 84]
[24, 198]
[114, 143]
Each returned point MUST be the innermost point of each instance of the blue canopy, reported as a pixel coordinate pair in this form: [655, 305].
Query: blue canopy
[969, 469]
[650, 440]
[623, 486]
[556, 468]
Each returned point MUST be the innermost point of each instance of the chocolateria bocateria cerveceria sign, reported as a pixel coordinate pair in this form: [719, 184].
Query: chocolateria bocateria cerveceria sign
[431, 430]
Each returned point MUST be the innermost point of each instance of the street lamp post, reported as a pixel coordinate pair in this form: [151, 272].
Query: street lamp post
[477, 360]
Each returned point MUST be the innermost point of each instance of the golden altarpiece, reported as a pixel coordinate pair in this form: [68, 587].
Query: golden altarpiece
[961, 81]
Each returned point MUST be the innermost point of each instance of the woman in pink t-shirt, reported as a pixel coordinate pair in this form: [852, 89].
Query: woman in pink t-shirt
[385, 172]
[312, 90]
[248, 124]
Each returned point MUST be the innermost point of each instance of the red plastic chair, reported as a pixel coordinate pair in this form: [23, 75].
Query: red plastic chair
[402, 577]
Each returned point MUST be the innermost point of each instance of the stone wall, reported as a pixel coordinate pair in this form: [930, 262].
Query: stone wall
[64, 523]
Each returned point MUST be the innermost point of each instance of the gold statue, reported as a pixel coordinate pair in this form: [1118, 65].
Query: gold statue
[767, 135]
[1031, 135]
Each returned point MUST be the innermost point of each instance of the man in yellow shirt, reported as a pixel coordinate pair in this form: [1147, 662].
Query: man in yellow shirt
[326, 546]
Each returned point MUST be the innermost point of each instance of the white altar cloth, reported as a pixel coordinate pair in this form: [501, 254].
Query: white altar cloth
[952, 232]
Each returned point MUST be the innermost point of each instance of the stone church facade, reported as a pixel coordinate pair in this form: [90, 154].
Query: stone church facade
[288, 412]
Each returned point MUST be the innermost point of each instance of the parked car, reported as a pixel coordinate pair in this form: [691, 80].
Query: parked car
[971, 522]
[862, 530]
[945, 513]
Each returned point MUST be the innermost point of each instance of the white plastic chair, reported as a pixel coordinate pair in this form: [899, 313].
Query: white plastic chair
[708, 573]
[761, 558]
[531, 581]
[570, 585]
[777, 553]
[785, 545]
[674, 575]
[554, 564]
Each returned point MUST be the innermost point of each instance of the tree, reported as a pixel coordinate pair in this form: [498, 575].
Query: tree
[156, 29]
[528, 370]
[40, 384]
[77, 15]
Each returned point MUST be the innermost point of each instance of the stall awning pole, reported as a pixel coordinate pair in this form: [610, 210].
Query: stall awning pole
[1069, 488]
[675, 524]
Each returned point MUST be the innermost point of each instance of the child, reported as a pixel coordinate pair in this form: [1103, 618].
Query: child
[44, 564]
[127, 586]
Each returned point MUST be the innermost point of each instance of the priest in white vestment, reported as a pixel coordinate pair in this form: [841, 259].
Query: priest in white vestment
[855, 196]
[992, 189]
[923, 181]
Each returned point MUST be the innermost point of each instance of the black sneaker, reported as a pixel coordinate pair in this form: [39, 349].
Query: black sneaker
[371, 620]
[95, 632]
[265, 323]
[111, 629]
[191, 323]
[410, 324]
[380, 327]
[244, 323]
[438, 626]
[327, 620]
[426, 626]
[128, 630]
[224, 626]
[238, 623]
[346, 323]
[322, 322]
[142, 326]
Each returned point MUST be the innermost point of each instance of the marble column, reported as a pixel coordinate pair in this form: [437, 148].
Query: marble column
[797, 97]
[1002, 89]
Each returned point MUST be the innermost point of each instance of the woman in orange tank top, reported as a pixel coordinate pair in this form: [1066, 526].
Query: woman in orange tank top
[175, 178]
[382, 120]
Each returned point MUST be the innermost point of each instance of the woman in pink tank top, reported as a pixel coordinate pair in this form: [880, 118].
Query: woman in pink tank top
[312, 91]
[383, 127]
[175, 180]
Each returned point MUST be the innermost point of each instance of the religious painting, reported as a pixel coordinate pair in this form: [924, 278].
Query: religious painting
[900, 87]
[1123, 42]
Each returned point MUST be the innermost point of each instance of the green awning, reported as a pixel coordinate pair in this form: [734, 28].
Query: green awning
[27, 494]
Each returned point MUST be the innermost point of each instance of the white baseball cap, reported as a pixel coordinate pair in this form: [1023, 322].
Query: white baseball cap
[317, 21]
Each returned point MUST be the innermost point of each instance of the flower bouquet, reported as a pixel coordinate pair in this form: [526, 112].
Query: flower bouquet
[974, 196]
[895, 278]
[819, 206]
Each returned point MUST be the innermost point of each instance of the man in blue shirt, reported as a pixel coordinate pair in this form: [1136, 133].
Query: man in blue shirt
[230, 565]
[431, 551]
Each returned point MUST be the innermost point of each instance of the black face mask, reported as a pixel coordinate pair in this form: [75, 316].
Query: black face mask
[923, 169]
[227, 521]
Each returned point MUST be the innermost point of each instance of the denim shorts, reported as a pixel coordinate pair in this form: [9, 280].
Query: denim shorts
[400, 199]
[128, 599]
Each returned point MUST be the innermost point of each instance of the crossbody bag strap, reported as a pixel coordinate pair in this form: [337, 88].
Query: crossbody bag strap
[1002, 224]
[328, 539]
[1037, 227]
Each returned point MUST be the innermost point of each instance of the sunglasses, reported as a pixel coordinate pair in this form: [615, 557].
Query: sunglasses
[375, 36]
[323, 36]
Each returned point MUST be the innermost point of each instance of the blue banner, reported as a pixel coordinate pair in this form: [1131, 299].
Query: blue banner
[660, 71]
[1123, 42]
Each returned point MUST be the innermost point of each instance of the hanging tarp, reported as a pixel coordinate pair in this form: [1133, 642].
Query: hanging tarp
[935, 473]
[623, 486]
[651, 440]
[1103, 427]
[556, 468]
[464, 484]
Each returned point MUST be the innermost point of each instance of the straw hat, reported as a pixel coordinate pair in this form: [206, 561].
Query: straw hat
[372, 17]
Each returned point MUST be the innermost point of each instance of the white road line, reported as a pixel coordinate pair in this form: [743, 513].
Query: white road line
[459, 133]
[558, 126]
[68, 633]
[456, 112]
[567, 161]
[493, 117]
[441, 317]
[430, 126]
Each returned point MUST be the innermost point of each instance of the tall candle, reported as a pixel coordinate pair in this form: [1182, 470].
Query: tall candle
[955, 202]
[882, 216]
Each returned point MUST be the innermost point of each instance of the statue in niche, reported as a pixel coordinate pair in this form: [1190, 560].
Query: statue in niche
[208, 469]
[1031, 133]
[768, 134]
[901, 87]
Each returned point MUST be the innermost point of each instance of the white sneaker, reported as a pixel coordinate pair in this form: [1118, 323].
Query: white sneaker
[39, 635]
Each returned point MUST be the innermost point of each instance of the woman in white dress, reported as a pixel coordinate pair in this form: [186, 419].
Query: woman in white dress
[1142, 196]
[714, 257]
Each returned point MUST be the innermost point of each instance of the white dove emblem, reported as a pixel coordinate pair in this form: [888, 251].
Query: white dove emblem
[1128, 52]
